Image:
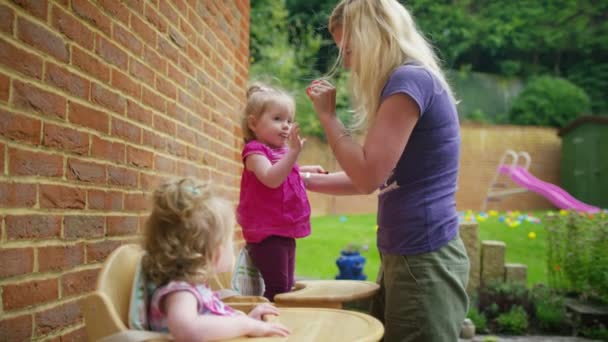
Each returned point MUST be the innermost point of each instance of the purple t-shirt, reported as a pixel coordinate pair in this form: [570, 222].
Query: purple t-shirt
[417, 205]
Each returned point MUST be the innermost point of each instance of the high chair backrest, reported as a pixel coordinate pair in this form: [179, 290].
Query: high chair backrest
[221, 281]
[116, 278]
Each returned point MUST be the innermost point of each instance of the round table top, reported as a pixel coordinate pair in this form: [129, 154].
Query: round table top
[320, 325]
[328, 290]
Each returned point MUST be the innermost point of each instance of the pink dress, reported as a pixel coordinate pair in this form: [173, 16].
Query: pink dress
[208, 303]
[263, 211]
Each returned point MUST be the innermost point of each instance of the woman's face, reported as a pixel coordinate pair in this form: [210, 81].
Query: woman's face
[338, 35]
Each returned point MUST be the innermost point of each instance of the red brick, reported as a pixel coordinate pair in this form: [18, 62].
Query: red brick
[126, 130]
[26, 163]
[90, 64]
[99, 251]
[17, 296]
[19, 127]
[2, 154]
[176, 149]
[139, 113]
[143, 30]
[195, 154]
[151, 98]
[86, 10]
[124, 83]
[139, 158]
[61, 197]
[17, 328]
[42, 39]
[20, 60]
[156, 20]
[136, 5]
[178, 112]
[128, 40]
[177, 76]
[111, 53]
[122, 177]
[136, 202]
[116, 10]
[152, 139]
[37, 8]
[164, 125]
[122, 225]
[107, 150]
[89, 117]
[163, 164]
[30, 227]
[65, 139]
[16, 261]
[154, 60]
[167, 49]
[27, 96]
[76, 227]
[7, 17]
[105, 200]
[84, 171]
[72, 28]
[80, 282]
[67, 80]
[57, 318]
[142, 72]
[5, 87]
[16, 195]
[186, 134]
[166, 87]
[59, 258]
[75, 335]
[149, 182]
[108, 99]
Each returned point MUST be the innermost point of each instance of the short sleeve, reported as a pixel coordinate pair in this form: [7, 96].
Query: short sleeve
[255, 147]
[172, 287]
[414, 81]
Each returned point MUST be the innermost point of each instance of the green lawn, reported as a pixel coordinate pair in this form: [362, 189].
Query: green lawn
[317, 254]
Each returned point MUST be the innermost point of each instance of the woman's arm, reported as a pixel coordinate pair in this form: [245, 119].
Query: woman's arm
[185, 324]
[369, 166]
[336, 183]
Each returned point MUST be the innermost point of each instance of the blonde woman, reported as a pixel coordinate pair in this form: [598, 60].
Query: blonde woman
[410, 153]
[188, 238]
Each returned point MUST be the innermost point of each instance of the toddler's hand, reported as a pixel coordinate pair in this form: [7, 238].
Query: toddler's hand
[295, 141]
[268, 329]
[263, 309]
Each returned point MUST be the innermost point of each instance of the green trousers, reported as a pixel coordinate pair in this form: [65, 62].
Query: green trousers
[422, 297]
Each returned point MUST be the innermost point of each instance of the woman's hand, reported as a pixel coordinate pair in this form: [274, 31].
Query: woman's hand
[263, 309]
[295, 141]
[323, 97]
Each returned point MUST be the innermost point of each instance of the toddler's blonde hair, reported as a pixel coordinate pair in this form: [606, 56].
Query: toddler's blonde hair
[383, 36]
[186, 230]
[259, 97]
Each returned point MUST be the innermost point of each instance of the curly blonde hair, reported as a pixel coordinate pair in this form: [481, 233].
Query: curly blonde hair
[185, 232]
[259, 97]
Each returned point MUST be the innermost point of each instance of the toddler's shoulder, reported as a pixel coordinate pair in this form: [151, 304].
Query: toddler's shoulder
[255, 146]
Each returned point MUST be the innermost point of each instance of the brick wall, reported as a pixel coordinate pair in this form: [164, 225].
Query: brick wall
[99, 100]
[482, 147]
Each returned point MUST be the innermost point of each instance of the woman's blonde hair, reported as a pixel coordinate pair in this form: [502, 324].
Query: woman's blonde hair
[259, 96]
[382, 35]
[186, 230]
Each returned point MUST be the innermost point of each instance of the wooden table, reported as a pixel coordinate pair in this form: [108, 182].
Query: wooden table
[324, 325]
[326, 293]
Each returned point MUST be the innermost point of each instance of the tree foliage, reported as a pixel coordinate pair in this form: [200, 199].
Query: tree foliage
[524, 38]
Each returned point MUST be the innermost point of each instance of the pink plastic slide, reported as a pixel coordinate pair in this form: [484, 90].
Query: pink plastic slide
[553, 193]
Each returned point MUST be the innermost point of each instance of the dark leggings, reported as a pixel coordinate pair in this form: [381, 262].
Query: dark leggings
[275, 257]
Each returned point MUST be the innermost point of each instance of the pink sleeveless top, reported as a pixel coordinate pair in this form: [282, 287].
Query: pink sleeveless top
[263, 211]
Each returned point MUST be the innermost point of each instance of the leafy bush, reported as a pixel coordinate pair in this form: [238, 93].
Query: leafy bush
[500, 297]
[576, 253]
[599, 332]
[513, 322]
[549, 101]
[549, 309]
[479, 319]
